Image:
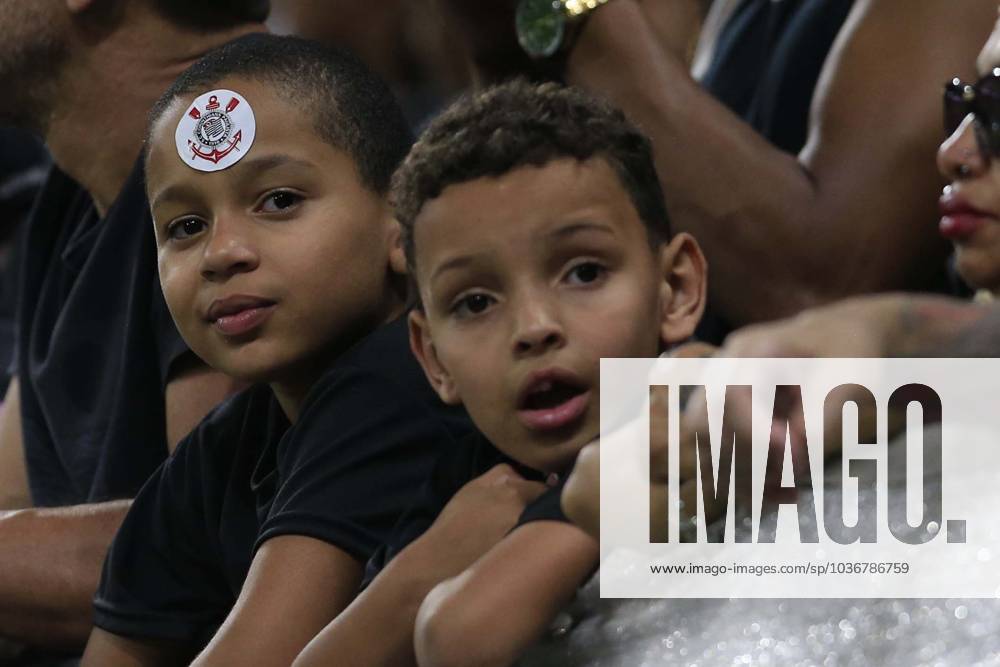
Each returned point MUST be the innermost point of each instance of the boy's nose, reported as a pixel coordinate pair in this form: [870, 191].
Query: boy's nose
[537, 330]
[228, 252]
[960, 156]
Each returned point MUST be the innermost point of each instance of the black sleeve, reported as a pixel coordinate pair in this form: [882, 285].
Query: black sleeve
[162, 577]
[456, 465]
[360, 452]
[546, 507]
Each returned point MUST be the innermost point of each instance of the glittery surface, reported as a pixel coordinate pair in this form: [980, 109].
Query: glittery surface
[792, 633]
[635, 633]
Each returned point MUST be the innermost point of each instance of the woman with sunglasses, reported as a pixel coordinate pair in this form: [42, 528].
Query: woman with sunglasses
[970, 159]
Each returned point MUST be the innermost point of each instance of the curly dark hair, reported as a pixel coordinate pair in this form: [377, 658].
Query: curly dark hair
[518, 124]
[352, 108]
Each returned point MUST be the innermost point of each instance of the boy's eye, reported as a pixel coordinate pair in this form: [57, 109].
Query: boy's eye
[472, 304]
[279, 201]
[185, 228]
[585, 272]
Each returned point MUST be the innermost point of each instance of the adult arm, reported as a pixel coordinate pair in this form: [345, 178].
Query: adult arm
[50, 558]
[14, 491]
[192, 391]
[884, 325]
[854, 212]
[535, 571]
[50, 562]
[377, 628]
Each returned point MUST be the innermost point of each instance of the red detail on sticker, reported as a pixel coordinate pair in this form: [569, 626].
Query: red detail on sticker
[194, 113]
[213, 103]
[216, 154]
[233, 103]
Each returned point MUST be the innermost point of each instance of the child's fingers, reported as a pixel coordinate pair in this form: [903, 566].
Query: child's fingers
[503, 475]
[529, 491]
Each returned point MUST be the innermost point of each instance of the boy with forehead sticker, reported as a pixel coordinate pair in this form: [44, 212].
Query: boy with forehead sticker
[267, 167]
[537, 236]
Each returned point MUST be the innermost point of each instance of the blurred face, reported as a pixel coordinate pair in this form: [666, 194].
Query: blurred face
[971, 203]
[271, 266]
[527, 280]
[32, 48]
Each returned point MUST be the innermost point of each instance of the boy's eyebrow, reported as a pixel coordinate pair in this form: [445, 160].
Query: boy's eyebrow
[577, 227]
[462, 261]
[177, 191]
[452, 264]
[265, 162]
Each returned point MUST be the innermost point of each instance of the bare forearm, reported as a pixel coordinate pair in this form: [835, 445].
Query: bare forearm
[941, 327]
[50, 565]
[703, 154]
[536, 570]
[377, 628]
[784, 232]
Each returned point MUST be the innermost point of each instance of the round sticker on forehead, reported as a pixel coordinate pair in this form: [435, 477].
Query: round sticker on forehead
[216, 131]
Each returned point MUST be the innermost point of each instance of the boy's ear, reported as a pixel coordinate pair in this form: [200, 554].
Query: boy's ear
[397, 256]
[683, 289]
[423, 350]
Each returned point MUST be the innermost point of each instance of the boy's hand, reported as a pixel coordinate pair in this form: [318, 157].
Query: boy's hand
[478, 517]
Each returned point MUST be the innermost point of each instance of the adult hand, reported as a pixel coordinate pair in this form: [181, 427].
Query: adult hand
[862, 327]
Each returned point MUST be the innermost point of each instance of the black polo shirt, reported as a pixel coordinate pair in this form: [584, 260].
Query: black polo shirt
[462, 462]
[365, 441]
[95, 344]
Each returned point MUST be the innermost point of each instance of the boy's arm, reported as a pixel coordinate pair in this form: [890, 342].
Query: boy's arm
[377, 628]
[295, 586]
[536, 570]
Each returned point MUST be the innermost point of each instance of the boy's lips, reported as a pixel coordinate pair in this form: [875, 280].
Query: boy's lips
[552, 399]
[239, 314]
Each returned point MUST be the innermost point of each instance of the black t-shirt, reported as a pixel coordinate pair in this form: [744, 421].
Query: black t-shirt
[95, 343]
[455, 467]
[365, 441]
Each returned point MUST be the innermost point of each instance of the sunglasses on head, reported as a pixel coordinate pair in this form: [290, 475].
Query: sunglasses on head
[982, 100]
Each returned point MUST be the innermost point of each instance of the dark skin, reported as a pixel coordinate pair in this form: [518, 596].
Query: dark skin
[784, 232]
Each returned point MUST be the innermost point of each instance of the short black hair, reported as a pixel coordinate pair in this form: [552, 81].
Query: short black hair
[518, 124]
[352, 107]
[213, 14]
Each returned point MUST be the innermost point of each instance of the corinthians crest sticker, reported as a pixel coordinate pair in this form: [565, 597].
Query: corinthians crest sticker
[216, 131]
